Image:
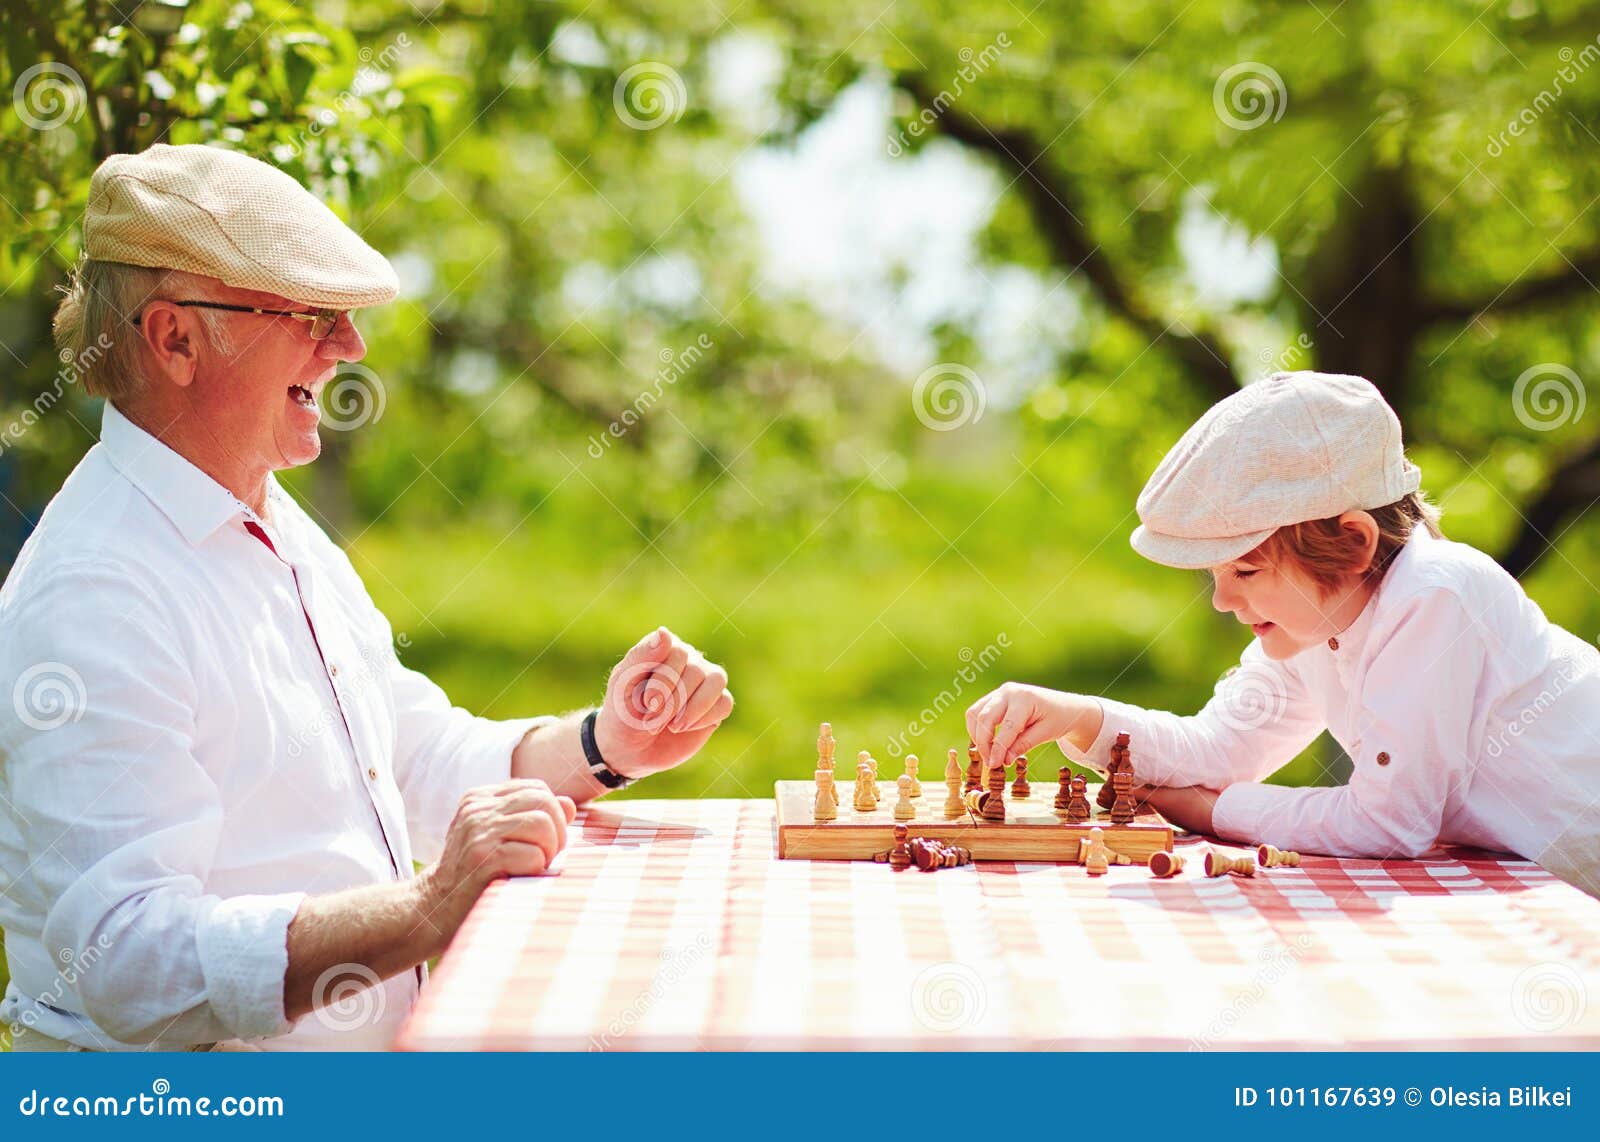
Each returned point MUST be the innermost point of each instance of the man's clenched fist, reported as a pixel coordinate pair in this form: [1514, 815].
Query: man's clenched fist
[663, 700]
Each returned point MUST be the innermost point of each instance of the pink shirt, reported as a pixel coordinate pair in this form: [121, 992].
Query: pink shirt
[1470, 719]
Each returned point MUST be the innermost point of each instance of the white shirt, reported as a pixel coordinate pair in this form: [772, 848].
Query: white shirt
[1469, 718]
[188, 761]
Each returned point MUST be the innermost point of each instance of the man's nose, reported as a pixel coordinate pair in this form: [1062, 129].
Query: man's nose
[345, 342]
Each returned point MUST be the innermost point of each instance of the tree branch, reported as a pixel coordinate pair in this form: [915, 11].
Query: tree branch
[1058, 211]
[1581, 275]
[1572, 488]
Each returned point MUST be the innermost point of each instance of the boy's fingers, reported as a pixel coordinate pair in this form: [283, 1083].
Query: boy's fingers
[1008, 735]
[989, 715]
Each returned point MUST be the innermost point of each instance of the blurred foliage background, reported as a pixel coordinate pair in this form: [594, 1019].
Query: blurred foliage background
[841, 338]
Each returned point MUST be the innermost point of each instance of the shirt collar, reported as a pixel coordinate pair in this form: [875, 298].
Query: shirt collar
[195, 503]
[1346, 645]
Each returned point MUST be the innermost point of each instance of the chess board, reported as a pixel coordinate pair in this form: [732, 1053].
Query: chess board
[1032, 830]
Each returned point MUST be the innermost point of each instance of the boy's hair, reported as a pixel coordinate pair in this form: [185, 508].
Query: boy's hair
[1328, 554]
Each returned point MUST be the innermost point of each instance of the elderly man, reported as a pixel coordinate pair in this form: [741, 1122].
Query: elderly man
[218, 774]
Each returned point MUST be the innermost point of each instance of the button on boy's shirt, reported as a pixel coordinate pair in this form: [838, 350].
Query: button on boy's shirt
[1468, 716]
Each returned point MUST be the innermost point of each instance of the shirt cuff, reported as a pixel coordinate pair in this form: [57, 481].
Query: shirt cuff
[243, 945]
[1115, 717]
[487, 759]
[1243, 807]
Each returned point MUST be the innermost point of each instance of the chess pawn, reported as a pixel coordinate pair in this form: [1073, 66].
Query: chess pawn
[1096, 855]
[1123, 808]
[1020, 788]
[974, 769]
[1219, 864]
[1269, 857]
[866, 798]
[994, 806]
[912, 765]
[864, 761]
[952, 783]
[904, 810]
[1063, 790]
[1078, 804]
[1165, 865]
[899, 856]
[826, 807]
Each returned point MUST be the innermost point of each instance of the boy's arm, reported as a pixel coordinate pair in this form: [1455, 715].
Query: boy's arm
[1414, 751]
[1260, 716]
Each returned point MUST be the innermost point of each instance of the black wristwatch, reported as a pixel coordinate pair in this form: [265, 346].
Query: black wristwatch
[603, 773]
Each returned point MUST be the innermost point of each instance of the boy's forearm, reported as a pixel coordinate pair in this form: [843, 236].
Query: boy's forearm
[1088, 718]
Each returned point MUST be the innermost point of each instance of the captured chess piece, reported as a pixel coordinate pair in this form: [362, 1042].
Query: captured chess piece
[973, 800]
[899, 856]
[1220, 864]
[1164, 865]
[952, 783]
[1269, 857]
[1078, 804]
[912, 765]
[994, 807]
[1020, 788]
[904, 810]
[974, 770]
[826, 806]
[1096, 854]
[929, 854]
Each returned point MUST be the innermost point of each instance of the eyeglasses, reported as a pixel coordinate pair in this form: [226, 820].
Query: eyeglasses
[322, 321]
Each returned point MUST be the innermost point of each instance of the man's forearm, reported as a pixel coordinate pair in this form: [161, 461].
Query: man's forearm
[553, 753]
[385, 928]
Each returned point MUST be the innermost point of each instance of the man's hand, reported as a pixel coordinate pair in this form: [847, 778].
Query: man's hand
[512, 829]
[1015, 718]
[662, 702]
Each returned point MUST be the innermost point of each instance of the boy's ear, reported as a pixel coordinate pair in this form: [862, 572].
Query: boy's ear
[1361, 525]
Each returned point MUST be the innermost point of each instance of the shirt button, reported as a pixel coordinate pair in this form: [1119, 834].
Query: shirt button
[333, 669]
[373, 773]
[1383, 759]
[1333, 644]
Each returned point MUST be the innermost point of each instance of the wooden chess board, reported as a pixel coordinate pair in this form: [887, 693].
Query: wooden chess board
[1032, 830]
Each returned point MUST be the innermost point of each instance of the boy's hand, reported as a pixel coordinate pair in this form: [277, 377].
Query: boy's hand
[1016, 718]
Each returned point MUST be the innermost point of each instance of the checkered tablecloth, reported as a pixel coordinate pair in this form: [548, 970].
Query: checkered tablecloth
[672, 925]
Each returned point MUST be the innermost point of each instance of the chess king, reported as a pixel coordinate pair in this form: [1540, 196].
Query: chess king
[1468, 715]
[222, 820]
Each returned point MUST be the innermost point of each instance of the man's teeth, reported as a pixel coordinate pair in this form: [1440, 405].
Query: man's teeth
[303, 395]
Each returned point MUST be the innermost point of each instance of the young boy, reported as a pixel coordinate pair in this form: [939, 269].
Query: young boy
[1469, 717]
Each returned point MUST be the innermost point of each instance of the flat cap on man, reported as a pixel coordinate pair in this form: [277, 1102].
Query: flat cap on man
[1290, 448]
[225, 215]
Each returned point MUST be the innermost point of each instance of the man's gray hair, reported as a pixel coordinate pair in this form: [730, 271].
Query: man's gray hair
[101, 300]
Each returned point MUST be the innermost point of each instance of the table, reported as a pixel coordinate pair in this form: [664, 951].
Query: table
[671, 925]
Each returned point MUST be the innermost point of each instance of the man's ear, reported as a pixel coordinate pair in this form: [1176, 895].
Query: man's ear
[1360, 524]
[171, 336]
